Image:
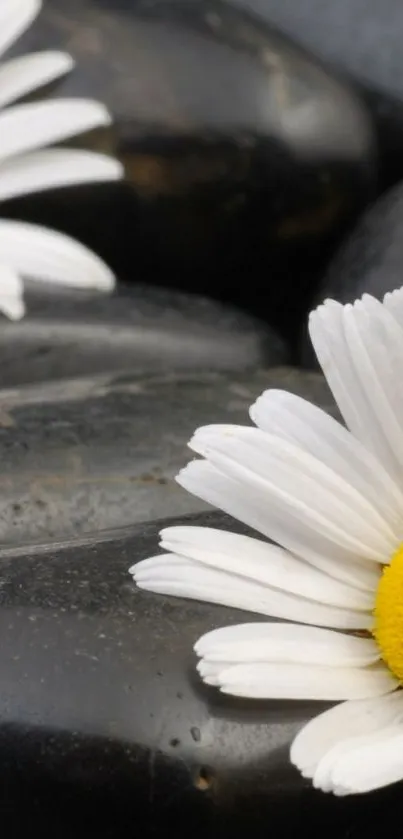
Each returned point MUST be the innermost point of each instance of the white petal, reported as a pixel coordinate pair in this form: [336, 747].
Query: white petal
[326, 328]
[298, 421]
[15, 17]
[209, 671]
[350, 719]
[371, 763]
[326, 774]
[175, 575]
[360, 349]
[251, 508]
[27, 127]
[393, 302]
[306, 489]
[11, 294]
[285, 643]
[263, 563]
[26, 73]
[299, 681]
[376, 344]
[55, 168]
[43, 254]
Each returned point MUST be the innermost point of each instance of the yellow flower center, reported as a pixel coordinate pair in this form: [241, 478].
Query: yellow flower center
[388, 613]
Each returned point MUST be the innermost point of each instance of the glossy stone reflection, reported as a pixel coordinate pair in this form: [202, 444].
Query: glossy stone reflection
[361, 40]
[69, 333]
[87, 454]
[103, 721]
[246, 158]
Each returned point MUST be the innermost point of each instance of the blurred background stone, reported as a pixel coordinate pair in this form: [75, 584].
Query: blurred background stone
[370, 261]
[105, 727]
[246, 159]
[86, 454]
[362, 41]
[69, 333]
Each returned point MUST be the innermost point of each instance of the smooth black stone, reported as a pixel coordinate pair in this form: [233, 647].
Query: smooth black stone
[361, 40]
[70, 333]
[370, 261]
[105, 727]
[246, 159]
[87, 454]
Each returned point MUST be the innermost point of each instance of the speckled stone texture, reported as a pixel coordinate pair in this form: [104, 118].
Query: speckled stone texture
[88, 454]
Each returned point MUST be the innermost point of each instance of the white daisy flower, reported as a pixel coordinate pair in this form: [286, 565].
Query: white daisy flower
[27, 165]
[332, 500]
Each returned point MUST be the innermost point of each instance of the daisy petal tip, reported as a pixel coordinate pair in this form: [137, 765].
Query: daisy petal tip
[102, 113]
[314, 319]
[137, 569]
[319, 786]
[172, 533]
[117, 170]
[340, 789]
[146, 585]
[202, 646]
[313, 314]
[58, 61]
[185, 472]
[211, 681]
[97, 112]
[202, 669]
[306, 773]
[195, 440]
[13, 308]
[106, 280]
[15, 312]
[295, 756]
[394, 294]
[66, 60]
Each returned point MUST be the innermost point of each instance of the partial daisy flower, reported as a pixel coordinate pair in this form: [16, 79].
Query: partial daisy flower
[27, 165]
[332, 500]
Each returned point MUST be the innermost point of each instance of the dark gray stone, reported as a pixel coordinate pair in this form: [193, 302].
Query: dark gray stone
[246, 159]
[370, 261]
[87, 454]
[362, 41]
[70, 333]
[361, 36]
[106, 729]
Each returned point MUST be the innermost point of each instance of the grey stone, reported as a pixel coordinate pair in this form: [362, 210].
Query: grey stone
[104, 721]
[245, 159]
[87, 454]
[362, 41]
[363, 37]
[70, 333]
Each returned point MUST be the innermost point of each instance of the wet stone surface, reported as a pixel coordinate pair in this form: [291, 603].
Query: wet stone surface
[89, 454]
[104, 723]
